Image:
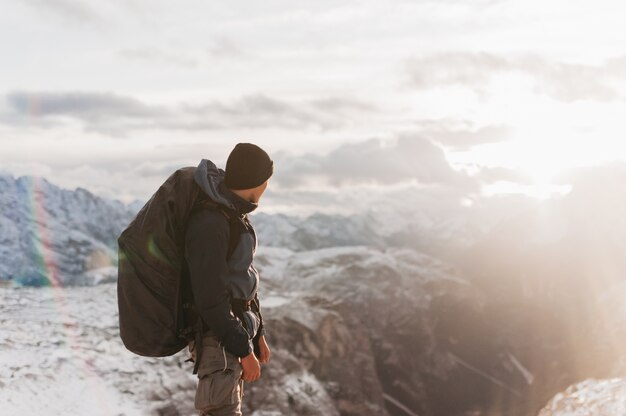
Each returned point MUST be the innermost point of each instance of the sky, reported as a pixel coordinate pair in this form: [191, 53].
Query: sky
[484, 96]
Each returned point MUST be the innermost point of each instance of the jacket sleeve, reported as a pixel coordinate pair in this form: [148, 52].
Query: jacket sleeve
[206, 245]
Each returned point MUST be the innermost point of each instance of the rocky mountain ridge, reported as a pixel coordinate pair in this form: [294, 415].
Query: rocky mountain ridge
[53, 235]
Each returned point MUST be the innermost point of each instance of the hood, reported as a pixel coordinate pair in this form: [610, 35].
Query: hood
[210, 178]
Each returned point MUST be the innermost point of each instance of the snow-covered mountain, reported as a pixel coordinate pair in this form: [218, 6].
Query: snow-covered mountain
[51, 233]
[316, 231]
[69, 237]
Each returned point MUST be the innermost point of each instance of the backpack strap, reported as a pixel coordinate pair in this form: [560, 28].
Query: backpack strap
[234, 224]
[198, 344]
[234, 221]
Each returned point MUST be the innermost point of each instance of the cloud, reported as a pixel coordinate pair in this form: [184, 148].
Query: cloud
[125, 180]
[334, 104]
[562, 81]
[89, 107]
[116, 114]
[597, 185]
[72, 10]
[471, 69]
[501, 174]
[159, 56]
[461, 135]
[408, 158]
[224, 47]
[263, 111]
[102, 112]
[339, 180]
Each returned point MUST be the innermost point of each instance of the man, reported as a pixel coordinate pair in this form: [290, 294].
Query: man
[224, 283]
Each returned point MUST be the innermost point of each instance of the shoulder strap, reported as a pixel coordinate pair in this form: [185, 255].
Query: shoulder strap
[234, 223]
[234, 234]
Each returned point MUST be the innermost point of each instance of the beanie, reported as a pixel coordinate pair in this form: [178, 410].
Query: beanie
[248, 166]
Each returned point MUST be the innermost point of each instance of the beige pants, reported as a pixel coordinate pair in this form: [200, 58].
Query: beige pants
[220, 387]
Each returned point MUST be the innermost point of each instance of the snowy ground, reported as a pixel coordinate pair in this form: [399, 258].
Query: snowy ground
[590, 398]
[60, 354]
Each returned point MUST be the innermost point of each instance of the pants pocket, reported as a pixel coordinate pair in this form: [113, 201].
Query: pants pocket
[218, 386]
[221, 388]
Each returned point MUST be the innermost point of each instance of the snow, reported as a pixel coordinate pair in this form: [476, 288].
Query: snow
[101, 275]
[309, 391]
[71, 391]
[60, 354]
[590, 397]
[274, 301]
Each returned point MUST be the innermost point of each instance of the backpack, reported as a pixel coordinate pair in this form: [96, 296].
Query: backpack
[156, 313]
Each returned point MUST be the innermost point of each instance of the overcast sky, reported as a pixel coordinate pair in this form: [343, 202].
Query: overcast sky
[474, 95]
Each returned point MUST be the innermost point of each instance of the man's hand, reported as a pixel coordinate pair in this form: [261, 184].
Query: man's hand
[264, 350]
[251, 368]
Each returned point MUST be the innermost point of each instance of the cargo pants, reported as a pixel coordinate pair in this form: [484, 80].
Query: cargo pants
[220, 386]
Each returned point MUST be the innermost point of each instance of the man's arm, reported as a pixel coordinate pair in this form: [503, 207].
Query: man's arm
[206, 245]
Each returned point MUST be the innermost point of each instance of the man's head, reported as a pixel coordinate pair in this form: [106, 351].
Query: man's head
[248, 170]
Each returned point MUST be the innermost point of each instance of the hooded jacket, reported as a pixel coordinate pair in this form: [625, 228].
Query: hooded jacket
[215, 280]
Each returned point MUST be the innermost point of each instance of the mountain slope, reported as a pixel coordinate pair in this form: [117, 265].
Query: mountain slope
[338, 348]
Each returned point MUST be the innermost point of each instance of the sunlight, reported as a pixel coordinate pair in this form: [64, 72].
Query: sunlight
[555, 150]
[538, 190]
[543, 152]
[549, 134]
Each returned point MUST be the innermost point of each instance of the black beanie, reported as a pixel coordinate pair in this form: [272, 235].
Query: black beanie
[248, 166]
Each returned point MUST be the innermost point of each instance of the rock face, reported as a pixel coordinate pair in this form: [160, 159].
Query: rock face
[359, 320]
[590, 397]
